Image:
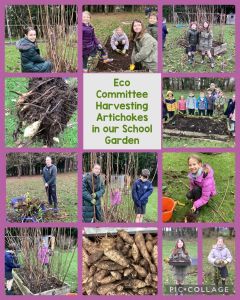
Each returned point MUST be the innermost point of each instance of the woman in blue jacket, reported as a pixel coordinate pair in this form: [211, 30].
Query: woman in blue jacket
[31, 61]
[141, 190]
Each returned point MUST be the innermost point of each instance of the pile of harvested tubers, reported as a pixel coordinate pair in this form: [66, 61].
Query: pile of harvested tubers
[124, 264]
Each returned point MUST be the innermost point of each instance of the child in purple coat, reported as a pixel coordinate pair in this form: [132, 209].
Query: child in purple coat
[90, 43]
[202, 183]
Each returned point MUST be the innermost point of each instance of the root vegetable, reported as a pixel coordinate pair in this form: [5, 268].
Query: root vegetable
[144, 263]
[148, 279]
[155, 255]
[117, 257]
[85, 256]
[135, 252]
[88, 245]
[140, 270]
[149, 237]
[140, 242]
[134, 283]
[92, 271]
[95, 257]
[106, 280]
[119, 243]
[147, 291]
[126, 249]
[85, 271]
[126, 236]
[155, 277]
[108, 265]
[149, 246]
[116, 275]
[100, 275]
[107, 243]
[106, 288]
[127, 272]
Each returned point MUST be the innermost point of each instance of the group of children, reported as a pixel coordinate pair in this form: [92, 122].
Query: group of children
[219, 257]
[210, 104]
[145, 45]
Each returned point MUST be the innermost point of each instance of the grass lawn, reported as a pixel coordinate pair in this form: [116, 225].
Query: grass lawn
[208, 269]
[168, 278]
[68, 138]
[175, 59]
[222, 206]
[105, 25]
[66, 192]
[177, 142]
[72, 275]
[13, 61]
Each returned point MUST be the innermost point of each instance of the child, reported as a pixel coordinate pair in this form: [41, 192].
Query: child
[43, 255]
[202, 183]
[10, 264]
[164, 110]
[144, 48]
[220, 257]
[90, 43]
[179, 253]
[192, 40]
[164, 32]
[205, 42]
[182, 105]
[171, 104]
[201, 104]
[31, 61]
[191, 103]
[219, 104]
[230, 113]
[210, 103]
[119, 41]
[141, 190]
[152, 27]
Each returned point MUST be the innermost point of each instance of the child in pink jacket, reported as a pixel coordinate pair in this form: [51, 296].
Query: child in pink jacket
[202, 183]
[43, 254]
[182, 105]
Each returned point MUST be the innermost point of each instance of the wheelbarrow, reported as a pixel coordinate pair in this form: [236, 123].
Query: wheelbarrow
[37, 216]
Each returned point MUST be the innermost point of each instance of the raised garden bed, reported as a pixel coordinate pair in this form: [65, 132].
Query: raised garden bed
[196, 127]
[48, 286]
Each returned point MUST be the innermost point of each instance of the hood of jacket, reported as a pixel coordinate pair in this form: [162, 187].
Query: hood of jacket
[25, 44]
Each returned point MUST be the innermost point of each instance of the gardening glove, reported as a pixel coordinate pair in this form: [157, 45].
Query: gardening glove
[124, 51]
[94, 195]
[132, 67]
[217, 261]
[225, 262]
[46, 184]
[118, 50]
[93, 201]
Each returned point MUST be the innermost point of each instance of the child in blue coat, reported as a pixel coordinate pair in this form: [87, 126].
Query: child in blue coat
[10, 264]
[141, 190]
[202, 104]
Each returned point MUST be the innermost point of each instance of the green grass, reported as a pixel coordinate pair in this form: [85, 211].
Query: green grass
[208, 269]
[66, 192]
[72, 275]
[68, 138]
[175, 170]
[13, 61]
[104, 25]
[177, 142]
[168, 278]
[175, 59]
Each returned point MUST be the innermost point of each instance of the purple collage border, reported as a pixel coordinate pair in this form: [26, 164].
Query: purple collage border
[79, 148]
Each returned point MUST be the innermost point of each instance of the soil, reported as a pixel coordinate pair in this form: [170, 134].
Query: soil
[120, 62]
[206, 125]
[49, 100]
[45, 284]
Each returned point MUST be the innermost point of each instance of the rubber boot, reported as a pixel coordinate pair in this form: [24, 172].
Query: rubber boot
[203, 57]
[190, 59]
